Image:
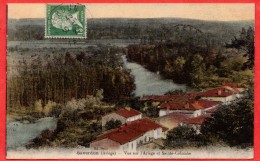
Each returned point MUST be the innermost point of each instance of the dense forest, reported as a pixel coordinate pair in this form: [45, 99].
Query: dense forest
[194, 60]
[61, 77]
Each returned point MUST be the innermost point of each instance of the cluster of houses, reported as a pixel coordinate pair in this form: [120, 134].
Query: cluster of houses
[189, 109]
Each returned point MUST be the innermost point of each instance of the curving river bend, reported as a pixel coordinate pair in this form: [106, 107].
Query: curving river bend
[149, 83]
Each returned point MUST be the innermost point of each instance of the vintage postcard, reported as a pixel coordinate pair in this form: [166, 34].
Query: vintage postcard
[130, 81]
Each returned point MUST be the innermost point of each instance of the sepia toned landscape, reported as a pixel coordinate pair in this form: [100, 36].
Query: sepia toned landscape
[134, 85]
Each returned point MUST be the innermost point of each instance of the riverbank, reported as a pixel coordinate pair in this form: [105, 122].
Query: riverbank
[24, 116]
[16, 115]
[21, 134]
[12, 116]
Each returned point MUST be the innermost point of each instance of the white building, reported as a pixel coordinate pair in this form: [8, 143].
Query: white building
[129, 136]
[221, 94]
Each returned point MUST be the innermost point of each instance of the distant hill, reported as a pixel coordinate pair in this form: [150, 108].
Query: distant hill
[130, 28]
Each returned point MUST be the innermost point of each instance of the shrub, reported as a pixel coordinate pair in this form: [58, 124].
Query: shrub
[112, 124]
[74, 104]
[180, 136]
[48, 107]
[38, 106]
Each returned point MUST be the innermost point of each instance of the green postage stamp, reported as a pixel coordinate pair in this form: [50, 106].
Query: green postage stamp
[65, 21]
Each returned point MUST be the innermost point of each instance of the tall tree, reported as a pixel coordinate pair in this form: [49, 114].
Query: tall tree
[245, 42]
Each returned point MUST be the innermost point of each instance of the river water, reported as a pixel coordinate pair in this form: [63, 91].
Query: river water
[150, 83]
[147, 83]
[19, 134]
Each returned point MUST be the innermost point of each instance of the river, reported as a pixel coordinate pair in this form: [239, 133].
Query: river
[149, 83]
[19, 134]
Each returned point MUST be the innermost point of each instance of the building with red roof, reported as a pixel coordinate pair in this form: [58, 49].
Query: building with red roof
[128, 113]
[217, 92]
[239, 92]
[221, 94]
[130, 135]
[124, 115]
[191, 108]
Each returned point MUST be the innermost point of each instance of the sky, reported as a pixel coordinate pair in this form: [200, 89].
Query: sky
[211, 11]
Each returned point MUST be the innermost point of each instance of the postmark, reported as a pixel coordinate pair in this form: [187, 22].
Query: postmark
[65, 21]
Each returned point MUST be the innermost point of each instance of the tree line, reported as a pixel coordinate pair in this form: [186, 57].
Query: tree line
[148, 30]
[200, 64]
[66, 77]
